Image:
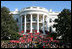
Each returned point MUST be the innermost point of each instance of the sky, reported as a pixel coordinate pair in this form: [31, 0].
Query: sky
[54, 5]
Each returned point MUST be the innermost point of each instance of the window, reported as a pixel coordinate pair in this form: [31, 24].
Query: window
[45, 22]
[50, 29]
[28, 17]
[23, 19]
[50, 20]
[28, 26]
[34, 18]
[17, 19]
[28, 20]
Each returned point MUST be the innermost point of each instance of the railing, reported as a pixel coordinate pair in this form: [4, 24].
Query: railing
[34, 8]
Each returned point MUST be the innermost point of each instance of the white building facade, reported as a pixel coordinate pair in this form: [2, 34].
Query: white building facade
[34, 19]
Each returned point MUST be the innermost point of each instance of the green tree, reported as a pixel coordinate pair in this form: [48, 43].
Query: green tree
[8, 24]
[64, 25]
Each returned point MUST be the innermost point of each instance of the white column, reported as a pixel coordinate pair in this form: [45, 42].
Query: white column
[25, 24]
[43, 25]
[31, 24]
[47, 22]
[37, 23]
[21, 23]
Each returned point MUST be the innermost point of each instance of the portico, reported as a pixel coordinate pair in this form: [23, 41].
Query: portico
[35, 18]
[37, 22]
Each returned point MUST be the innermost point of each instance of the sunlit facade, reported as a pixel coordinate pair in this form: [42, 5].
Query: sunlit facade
[34, 19]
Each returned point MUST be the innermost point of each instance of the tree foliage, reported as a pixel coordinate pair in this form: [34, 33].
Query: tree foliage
[8, 24]
[64, 25]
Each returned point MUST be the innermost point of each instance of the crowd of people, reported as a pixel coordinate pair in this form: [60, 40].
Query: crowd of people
[33, 41]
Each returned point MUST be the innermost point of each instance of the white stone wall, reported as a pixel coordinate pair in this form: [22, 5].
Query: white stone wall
[52, 16]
